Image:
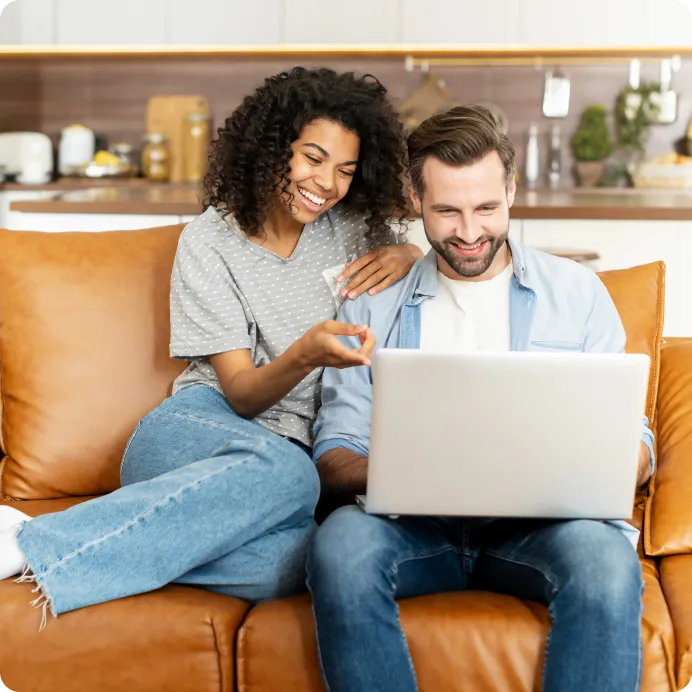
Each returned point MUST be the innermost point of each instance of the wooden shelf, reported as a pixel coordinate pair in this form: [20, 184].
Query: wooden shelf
[480, 53]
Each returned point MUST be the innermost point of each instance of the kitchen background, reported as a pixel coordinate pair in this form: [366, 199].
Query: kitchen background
[111, 67]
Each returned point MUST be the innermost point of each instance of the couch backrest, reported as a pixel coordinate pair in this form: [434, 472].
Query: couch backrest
[639, 296]
[84, 333]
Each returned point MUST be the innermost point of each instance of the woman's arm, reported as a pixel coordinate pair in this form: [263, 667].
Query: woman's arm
[251, 390]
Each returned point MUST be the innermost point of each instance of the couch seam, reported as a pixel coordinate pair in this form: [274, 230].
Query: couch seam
[646, 543]
[241, 645]
[686, 655]
[219, 657]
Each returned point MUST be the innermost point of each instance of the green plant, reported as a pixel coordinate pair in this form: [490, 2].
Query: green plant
[592, 140]
[635, 113]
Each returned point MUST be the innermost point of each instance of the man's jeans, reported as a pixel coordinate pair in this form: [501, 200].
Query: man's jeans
[585, 571]
[209, 499]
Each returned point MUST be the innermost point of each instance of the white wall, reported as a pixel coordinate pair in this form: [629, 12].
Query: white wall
[272, 22]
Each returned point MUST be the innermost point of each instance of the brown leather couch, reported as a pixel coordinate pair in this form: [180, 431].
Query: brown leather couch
[84, 354]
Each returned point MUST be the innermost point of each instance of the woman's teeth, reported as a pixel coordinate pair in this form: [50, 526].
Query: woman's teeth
[318, 201]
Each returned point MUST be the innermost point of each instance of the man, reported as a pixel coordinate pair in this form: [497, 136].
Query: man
[475, 290]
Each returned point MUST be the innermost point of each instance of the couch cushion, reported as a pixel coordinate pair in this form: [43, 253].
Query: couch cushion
[179, 638]
[639, 294]
[668, 523]
[84, 333]
[676, 577]
[459, 641]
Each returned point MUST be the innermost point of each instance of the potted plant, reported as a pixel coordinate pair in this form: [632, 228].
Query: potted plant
[591, 145]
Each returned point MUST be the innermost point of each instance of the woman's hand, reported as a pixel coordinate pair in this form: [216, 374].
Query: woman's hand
[378, 269]
[319, 346]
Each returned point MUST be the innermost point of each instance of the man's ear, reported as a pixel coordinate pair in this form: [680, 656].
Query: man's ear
[416, 200]
[511, 192]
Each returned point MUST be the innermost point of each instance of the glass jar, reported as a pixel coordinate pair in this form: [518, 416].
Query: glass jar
[156, 157]
[195, 147]
[127, 156]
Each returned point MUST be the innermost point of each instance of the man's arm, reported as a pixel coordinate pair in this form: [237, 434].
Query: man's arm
[343, 471]
[342, 428]
[605, 334]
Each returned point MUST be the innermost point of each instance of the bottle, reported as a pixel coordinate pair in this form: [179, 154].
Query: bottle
[555, 160]
[532, 158]
[195, 147]
[156, 157]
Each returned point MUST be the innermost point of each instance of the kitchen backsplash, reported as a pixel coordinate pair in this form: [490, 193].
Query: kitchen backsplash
[110, 96]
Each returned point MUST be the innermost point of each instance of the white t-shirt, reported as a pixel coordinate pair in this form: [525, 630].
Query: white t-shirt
[467, 316]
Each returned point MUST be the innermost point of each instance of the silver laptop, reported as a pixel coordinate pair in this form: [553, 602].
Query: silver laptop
[505, 434]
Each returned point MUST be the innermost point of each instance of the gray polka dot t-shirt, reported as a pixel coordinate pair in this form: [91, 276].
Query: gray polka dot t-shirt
[228, 293]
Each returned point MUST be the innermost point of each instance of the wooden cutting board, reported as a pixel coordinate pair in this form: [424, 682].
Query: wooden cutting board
[167, 114]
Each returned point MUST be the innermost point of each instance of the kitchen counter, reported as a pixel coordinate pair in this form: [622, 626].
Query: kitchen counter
[604, 204]
[183, 200]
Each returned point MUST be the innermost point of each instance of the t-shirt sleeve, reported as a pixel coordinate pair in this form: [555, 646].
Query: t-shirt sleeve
[207, 314]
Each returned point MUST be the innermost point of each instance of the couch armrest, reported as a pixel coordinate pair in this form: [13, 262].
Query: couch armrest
[676, 577]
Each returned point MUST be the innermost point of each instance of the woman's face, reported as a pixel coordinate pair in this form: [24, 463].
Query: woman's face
[322, 168]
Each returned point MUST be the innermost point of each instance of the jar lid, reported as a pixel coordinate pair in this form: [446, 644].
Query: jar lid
[196, 117]
[155, 137]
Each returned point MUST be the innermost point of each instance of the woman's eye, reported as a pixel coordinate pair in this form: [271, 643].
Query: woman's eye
[347, 173]
[312, 159]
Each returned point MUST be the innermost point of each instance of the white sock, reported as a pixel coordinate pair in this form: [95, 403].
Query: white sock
[12, 559]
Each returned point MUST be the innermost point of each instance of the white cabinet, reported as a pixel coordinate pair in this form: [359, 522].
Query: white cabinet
[356, 21]
[226, 22]
[58, 223]
[38, 21]
[458, 22]
[112, 22]
[583, 23]
[667, 23]
[623, 244]
[10, 22]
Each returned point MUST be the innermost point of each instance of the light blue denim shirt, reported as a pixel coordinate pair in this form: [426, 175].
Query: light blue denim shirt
[555, 304]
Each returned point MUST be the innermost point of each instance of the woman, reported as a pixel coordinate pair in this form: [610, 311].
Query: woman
[219, 488]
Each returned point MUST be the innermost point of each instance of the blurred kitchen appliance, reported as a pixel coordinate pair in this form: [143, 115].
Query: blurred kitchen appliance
[76, 149]
[26, 156]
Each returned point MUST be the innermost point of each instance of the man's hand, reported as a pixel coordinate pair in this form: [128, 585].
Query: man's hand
[343, 471]
[644, 465]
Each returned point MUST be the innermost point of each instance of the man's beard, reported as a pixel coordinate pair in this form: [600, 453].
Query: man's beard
[468, 267]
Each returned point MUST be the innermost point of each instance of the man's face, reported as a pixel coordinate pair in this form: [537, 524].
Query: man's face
[466, 216]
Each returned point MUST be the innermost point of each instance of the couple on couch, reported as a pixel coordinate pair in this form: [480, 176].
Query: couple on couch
[220, 482]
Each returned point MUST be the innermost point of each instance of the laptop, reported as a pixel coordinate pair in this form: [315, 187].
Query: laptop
[520, 434]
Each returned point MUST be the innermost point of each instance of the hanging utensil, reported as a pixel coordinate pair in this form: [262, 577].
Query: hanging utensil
[556, 95]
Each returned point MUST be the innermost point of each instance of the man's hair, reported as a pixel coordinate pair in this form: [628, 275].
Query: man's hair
[460, 136]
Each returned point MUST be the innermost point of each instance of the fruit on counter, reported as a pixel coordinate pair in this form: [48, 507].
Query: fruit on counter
[105, 158]
[672, 158]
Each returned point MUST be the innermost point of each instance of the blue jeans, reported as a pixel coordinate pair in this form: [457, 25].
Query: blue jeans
[584, 571]
[208, 499]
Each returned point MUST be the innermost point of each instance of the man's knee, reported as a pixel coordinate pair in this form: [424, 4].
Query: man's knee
[598, 568]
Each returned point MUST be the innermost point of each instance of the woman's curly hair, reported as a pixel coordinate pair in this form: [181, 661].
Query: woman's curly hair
[250, 159]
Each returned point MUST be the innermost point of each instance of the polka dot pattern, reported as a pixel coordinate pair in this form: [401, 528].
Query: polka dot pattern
[228, 293]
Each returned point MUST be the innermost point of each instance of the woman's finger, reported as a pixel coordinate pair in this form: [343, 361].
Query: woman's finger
[356, 266]
[372, 280]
